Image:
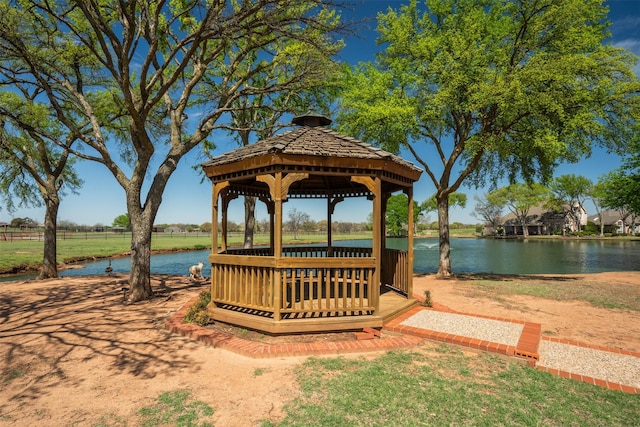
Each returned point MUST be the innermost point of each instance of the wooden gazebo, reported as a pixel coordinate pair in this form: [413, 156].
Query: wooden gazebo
[288, 289]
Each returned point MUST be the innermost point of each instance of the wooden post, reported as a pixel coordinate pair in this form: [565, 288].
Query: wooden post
[226, 198]
[331, 207]
[217, 189]
[214, 220]
[277, 198]
[409, 193]
[277, 246]
[272, 224]
[378, 241]
[225, 206]
[329, 237]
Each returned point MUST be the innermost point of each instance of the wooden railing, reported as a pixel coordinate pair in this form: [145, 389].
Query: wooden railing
[395, 270]
[246, 281]
[305, 282]
[321, 288]
[259, 251]
[295, 286]
[305, 251]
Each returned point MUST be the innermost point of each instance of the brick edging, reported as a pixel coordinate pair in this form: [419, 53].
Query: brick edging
[508, 350]
[592, 346]
[590, 380]
[249, 348]
[585, 378]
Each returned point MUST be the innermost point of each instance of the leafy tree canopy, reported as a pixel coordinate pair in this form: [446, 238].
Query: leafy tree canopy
[122, 221]
[141, 83]
[481, 90]
[455, 199]
[621, 191]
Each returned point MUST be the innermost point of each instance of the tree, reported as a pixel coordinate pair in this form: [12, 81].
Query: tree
[519, 198]
[123, 78]
[490, 213]
[569, 193]
[481, 90]
[297, 219]
[455, 199]
[620, 188]
[260, 115]
[22, 222]
[122, 221]
[597, 193]
[397, 213]
[35, 162]
[621, 192]
[309, 226]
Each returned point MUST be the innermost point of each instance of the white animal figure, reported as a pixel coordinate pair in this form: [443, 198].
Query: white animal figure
[195, 271]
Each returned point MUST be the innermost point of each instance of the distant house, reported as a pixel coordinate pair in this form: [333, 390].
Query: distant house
[617, 223]
[541, 221]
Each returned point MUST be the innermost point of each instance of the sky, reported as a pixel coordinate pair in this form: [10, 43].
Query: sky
[187, 198]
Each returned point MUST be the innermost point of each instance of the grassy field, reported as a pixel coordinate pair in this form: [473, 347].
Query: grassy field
[596, 293]
[442, 385]
[27, 254]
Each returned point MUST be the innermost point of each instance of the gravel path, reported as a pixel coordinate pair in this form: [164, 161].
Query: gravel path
[467, 326]
[604, 365]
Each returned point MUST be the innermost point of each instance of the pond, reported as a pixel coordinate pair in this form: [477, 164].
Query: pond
[531, 256]
[500, 256]
[504, 256]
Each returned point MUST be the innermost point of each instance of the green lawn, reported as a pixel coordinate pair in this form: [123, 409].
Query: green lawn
[562, 288]
[441, 385]
[27, 254]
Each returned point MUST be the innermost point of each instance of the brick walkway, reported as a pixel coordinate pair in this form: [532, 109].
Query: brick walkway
[402, 336]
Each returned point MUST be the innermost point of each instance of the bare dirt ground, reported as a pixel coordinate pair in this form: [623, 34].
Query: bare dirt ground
[73, 354]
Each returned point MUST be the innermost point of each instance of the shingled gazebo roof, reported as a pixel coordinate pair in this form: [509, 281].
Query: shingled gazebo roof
[315, 149]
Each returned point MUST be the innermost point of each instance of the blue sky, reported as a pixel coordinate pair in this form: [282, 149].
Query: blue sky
[188, 200]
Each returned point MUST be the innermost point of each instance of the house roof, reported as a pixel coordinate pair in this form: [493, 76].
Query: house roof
[537, 215]
[610, 217]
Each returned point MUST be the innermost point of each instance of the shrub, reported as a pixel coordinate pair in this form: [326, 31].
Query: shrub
[197, 313]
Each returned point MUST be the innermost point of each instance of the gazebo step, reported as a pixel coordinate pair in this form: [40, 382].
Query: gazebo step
[321, 324]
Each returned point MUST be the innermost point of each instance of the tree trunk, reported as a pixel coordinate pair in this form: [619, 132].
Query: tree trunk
[49, 260]
[249, 221]
[601, 223]
[140, 274]
[444, 266]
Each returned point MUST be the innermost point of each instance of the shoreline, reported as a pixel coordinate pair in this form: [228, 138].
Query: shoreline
[75, 262]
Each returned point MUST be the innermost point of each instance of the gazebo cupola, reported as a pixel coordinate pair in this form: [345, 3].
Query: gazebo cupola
[280, 289]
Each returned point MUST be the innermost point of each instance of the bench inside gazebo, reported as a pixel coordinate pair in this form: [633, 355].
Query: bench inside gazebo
[292, 289]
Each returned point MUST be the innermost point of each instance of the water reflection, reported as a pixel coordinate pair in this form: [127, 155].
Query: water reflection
[532, 256]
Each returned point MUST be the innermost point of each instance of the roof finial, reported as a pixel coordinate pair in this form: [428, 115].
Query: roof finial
[311, 119]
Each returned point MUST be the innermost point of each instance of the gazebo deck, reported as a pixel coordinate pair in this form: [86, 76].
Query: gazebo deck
[392, 305]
